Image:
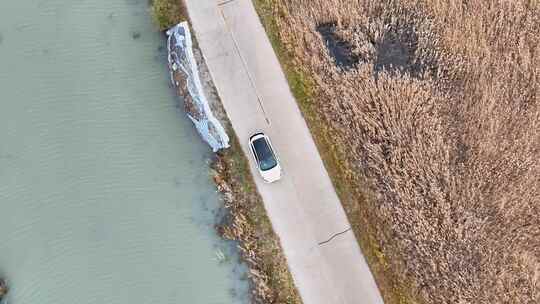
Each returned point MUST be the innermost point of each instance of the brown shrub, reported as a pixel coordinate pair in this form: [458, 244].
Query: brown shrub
[167, 13]
[440, 120]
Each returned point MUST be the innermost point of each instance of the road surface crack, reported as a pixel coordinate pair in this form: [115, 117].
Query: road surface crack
[225, 2]
[335, 235]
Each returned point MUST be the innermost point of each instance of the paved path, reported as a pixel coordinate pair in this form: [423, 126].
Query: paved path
[322, 252]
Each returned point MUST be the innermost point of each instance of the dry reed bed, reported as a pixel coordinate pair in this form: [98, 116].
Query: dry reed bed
[440, 121]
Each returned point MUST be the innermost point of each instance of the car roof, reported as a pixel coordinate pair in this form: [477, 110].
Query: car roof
[263, 152]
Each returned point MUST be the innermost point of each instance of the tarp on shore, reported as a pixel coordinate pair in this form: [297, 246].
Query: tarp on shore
[185, 77]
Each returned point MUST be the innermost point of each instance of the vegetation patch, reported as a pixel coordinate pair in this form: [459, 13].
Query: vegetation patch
[167, 13]
[432, 140]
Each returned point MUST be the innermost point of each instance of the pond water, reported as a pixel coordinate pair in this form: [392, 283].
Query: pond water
[105, 194]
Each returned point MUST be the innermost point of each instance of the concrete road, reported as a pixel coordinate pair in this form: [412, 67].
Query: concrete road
[321, 250]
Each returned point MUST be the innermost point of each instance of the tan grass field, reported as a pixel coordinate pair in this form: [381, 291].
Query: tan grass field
[434, 134]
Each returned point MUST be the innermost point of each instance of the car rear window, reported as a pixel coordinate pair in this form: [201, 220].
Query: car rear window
[264, 153]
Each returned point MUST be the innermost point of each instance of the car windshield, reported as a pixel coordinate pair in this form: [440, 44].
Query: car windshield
[265, 155]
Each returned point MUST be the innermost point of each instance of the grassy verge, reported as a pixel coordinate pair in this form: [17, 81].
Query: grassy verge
[333, 156]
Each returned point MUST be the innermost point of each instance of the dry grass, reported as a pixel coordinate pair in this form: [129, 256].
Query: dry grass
[435, 137]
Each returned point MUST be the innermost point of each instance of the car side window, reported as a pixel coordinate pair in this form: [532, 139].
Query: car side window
[252, 147]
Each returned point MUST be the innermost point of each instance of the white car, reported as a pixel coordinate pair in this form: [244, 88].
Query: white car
[265, 158]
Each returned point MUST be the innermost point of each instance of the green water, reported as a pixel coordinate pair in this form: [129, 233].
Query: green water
[105, 195]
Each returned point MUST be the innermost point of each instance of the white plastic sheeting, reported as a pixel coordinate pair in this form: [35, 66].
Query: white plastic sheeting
[185, 76]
